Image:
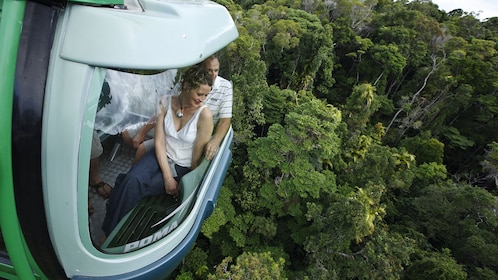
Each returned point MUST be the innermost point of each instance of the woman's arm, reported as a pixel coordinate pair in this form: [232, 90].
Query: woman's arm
[170, 184]
[204, 132]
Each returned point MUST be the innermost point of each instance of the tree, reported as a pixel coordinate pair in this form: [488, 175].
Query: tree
[425, 148]
[360, 106]
[299, 50]
[363, 130]
[490, 163]
[250, 266]
[435, 265]
[248, 73]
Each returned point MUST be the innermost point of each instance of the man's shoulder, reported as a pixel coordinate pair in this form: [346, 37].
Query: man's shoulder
[223, 82]
[222, 85]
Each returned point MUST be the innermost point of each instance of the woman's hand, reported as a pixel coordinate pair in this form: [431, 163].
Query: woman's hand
[171, 186]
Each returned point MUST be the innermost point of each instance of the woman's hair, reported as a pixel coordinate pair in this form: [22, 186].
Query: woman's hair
[195, 76]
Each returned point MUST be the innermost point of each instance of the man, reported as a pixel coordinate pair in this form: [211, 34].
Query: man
[219, 101]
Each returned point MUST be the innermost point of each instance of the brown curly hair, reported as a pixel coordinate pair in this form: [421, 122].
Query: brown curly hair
[195, 76]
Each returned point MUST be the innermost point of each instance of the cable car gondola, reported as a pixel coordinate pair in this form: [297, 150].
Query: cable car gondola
[55, 56]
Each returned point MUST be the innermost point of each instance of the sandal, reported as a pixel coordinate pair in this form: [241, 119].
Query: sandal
[103, 189]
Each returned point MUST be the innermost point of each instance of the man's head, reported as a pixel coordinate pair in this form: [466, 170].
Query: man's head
[212, 65]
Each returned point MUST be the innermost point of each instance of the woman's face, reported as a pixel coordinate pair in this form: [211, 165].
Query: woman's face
[198, 95]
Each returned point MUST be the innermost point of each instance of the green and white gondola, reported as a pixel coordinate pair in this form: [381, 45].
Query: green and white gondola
[54, 57]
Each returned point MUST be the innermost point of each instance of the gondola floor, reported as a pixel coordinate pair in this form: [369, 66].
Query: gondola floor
[109, 170]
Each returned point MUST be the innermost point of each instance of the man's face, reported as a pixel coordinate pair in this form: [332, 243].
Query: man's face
[213, 67]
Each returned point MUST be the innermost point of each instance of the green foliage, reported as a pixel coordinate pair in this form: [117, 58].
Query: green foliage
[430, 173]
[474, 221]
[483, 274]
[381, 165]
[248, 73]
[435, 265]
[257, 266]
[287, 163]
[389, 58]
[278, 103]
[363, 131]
[248, 100]
[223, 213]
[239, 230]
[490, 163]
[298, 41]
[425, 149]
[360, 106]
[195, 264]
[380, 255]
[349, 218]
[456, 139]
[478, 250]
[286, 34]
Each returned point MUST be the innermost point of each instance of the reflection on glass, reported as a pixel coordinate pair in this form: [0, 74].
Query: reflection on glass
[134, 98]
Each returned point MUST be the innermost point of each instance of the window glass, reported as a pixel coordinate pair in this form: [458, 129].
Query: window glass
[132, 98]
[127, 100]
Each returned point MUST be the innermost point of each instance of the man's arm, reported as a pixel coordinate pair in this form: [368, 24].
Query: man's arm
[220, 132]
[141, 134]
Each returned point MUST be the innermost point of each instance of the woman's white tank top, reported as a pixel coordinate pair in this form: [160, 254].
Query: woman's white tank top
[179, 144]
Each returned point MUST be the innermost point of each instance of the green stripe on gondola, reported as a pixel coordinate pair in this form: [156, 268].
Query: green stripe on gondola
[10, 31]
[99, 2]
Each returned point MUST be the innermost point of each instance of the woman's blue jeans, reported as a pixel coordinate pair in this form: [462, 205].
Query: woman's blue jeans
[144, 179]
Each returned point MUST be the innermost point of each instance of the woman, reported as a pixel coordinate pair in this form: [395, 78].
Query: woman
[184, 126]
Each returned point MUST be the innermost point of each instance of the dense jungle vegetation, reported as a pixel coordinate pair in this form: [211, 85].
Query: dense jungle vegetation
[366, 145]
